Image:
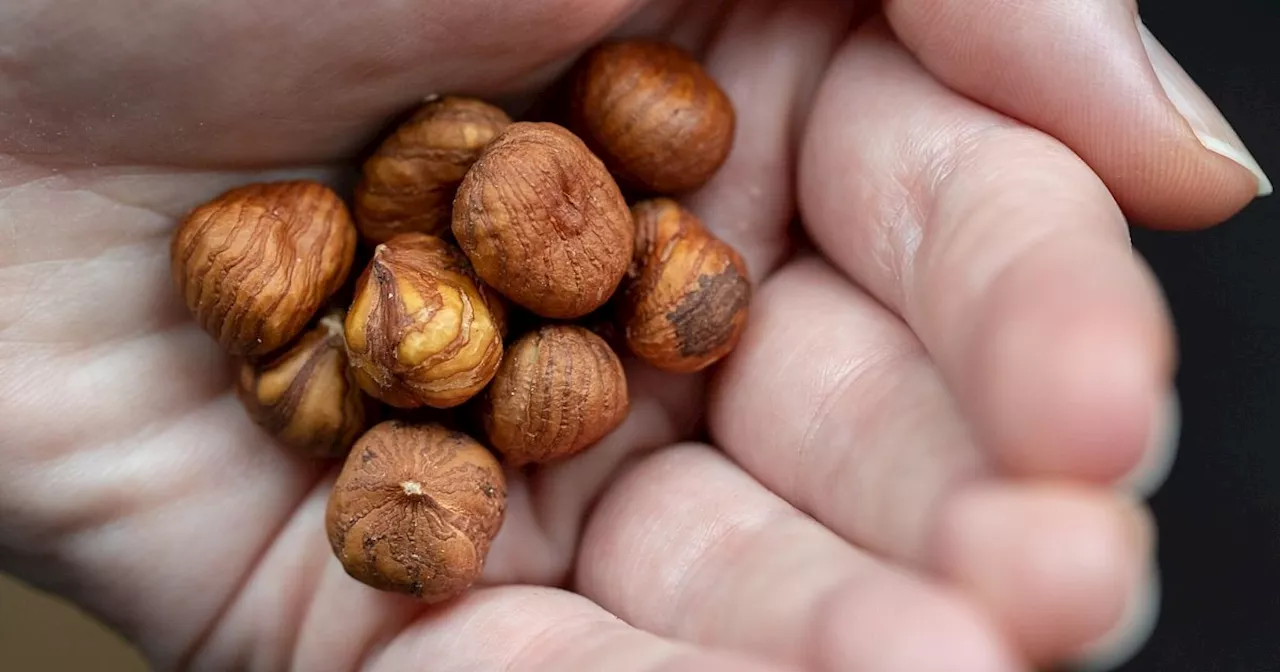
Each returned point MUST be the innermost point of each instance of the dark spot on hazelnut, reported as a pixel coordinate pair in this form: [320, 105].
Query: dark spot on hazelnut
[703, 319]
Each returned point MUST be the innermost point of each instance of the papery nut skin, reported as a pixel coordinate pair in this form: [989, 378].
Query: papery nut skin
[543, 222]
[409, 182]
[415, 509]
[257, 263]
[685, 301]
[306, 395]
[652, 114]
[560, 389]
[422, 330]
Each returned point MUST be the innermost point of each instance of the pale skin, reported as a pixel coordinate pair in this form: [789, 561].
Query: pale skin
[922, 443]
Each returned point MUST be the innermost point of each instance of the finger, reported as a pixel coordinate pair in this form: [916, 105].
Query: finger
[830, 402]
[769, 57]
[1005, 255]
[525, 629]
[1089, 73]
[688, 546]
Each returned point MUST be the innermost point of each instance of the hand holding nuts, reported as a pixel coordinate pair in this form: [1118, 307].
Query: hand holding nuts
[422, 331]
[415, 508]
[306, 395]
[256, 263]
[543, 222]
[685, 300]
[560, 389]
[409, 183]
[655, 117]
[540, 221]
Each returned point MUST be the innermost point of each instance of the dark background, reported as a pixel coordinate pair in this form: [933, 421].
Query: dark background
[1219, 514]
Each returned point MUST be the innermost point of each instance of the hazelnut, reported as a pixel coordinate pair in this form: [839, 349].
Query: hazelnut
[685, 300]
[257, 263]
[543, 222]
[559, 390]
[415, 509]
[305, 395]
[422, 331]
[651, 112]
[409, 183]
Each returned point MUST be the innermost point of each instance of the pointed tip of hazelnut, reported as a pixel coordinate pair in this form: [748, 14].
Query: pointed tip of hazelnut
[412, 489]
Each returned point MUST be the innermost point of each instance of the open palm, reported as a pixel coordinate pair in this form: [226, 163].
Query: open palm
[915, 442]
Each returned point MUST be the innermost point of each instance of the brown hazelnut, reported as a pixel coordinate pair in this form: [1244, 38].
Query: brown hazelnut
[257, 263]
[409, 183]
[415, 509]
[305, 395]
[559, 390]
[685, 299]
[543, 222]
[651, 112]
[422, 331]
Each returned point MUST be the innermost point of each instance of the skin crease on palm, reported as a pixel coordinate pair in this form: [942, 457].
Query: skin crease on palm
[917, 440]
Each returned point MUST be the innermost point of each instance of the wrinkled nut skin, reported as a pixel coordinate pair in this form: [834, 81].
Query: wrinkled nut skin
[559, 390]
[256, 264]
[543, 222]
[408, 184]
[684, 303]
[305, 395]
[421, 330]
[415, 509]
[651, 112]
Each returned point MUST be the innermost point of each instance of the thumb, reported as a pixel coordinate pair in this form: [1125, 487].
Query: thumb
[1090, 73]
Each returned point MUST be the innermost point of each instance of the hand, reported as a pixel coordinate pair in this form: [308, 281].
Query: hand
[918, 442]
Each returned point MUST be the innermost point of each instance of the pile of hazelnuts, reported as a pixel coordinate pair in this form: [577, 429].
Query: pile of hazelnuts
[503, 272]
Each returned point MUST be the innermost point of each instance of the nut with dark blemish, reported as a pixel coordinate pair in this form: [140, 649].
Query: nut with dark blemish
[415, 510]
[684, 303]
[543, 222]
[422, 329]
[305, 395]
[257, 263]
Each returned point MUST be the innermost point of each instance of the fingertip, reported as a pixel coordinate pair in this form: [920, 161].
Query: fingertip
[1157, 460]
[1127, 638]
[1056, 564]
[1091, 75]
[1074, 360]
[896, 626]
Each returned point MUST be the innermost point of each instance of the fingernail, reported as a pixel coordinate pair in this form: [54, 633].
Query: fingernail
[1162, 449]
[1126, 640]
[1211, 128]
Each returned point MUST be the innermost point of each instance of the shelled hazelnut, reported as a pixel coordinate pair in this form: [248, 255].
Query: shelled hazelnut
[415, 509]
[560, 389]
[543, 222]
[258, 262]
[685, 300]
[651, 112]
[422, 331]
[306, 396]
[408, 184]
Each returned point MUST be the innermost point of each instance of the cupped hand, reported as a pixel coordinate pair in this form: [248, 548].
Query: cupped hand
[925, 445]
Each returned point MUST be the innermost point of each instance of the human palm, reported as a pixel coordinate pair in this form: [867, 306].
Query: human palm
[915, 442]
